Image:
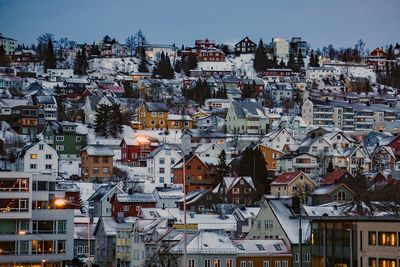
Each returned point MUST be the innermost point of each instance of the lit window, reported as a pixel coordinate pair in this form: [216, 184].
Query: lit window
[33, 156]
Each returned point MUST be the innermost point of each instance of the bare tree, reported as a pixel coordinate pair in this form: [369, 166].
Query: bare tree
[301, 192]
[235, 139]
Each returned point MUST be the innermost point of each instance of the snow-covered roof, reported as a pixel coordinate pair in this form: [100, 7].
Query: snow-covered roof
[136, 198]
[176, 117]
[230, 182]
[98, 150]
[290, 225]
[264, 247]
[211, 242]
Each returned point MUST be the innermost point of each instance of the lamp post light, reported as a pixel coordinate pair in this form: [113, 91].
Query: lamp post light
[63, 203]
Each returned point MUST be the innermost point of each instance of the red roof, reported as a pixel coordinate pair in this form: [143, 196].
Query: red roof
[285, 178]
[335, 176]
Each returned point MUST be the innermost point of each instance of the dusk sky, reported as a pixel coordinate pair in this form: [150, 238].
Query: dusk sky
[320, 22]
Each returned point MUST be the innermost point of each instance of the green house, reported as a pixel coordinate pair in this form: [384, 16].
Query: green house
[64, 138]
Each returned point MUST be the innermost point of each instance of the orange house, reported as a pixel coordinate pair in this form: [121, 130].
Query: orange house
[270, 156]
[199, 173]
[97, 163]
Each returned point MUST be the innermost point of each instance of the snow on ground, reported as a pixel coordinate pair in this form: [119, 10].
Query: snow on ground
[362, 72]
[243, 65]
[68, 167]
[125, 64]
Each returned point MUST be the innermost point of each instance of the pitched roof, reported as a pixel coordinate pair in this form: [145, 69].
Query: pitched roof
[335, 176]
[244, 109]
[98, 150]
[150, 106]
[136, 198]
[230, 182]
[263, 247]
[285, 178]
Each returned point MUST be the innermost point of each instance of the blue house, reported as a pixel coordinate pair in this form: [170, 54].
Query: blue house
[373, 138]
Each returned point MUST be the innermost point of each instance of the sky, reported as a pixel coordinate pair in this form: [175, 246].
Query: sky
[319, 22]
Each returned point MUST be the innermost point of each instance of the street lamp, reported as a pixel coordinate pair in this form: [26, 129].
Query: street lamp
[63, 203]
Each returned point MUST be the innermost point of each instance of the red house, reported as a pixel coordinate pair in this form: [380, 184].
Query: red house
[130, 205]
[200, 173]
[204, 44]
[395, 145]
[134, 151]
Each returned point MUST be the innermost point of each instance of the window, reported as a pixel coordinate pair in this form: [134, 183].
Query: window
[217, 263]
[387, 238]
[48, 156]
[340, 196]
[249, 263]
[79, 250]
[235, 191]
[268, 224]
[162, 161]
[229, 263]
[307, 257]
[161, 180]
[32, 166]
[126, 208]
[162, 170]
[59, 138]
[48, 166]
[95, 170]
[33, 156]
[258, 224]
[387, 263]
[277, 263]
[207, 263]
[191, 263]
[154, 114]
[41, 147]
[172, 161]
[266, 264]
[105, 160]
[160, 114]
[260, 247]
[247, 190]
[372, 262]
[296, 257]
[372, 238]
[78, 139]
[284, 263]
[105, 170]
[152, 122]
[60, 147]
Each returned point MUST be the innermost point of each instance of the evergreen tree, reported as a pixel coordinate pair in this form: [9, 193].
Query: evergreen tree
[300, 60]
[103, 116]
[178, 66]
[390, 52]
[80, 64]
[330, 167]
[222, 169]
[291, 62]
[50, 58]
[200, 92]
[260, 58]
[189, 62]
[128, 90]
[143, 66]
[282, 64]
[4, 60]
[252, 164]
[115, 122]
[247, 91]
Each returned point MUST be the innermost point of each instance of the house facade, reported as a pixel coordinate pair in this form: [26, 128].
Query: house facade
[153, 115]
[245, 46]
[97, 163]
[38, 158]
[246, 117]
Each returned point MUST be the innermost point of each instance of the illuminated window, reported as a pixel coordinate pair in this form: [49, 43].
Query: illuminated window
[387, 238]
[33, 156]
[372, 238]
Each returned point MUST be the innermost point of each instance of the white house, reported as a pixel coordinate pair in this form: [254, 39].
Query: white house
[211, 122]
[38, 158]
[91, 104]
[209, 150]
[217, 103]
[278, 139]
[56, 75]
[160, 162]
[317, 73]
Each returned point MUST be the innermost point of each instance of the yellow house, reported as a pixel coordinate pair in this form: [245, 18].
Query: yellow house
[179, 121]
[292, 184]
[153, 115]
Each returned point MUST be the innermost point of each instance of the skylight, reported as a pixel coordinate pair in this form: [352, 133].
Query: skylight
[240, 246]
[260, 247]
[278, 247]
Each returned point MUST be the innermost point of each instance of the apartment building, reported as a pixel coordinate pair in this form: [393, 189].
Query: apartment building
[33, 231]
[347, 116]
